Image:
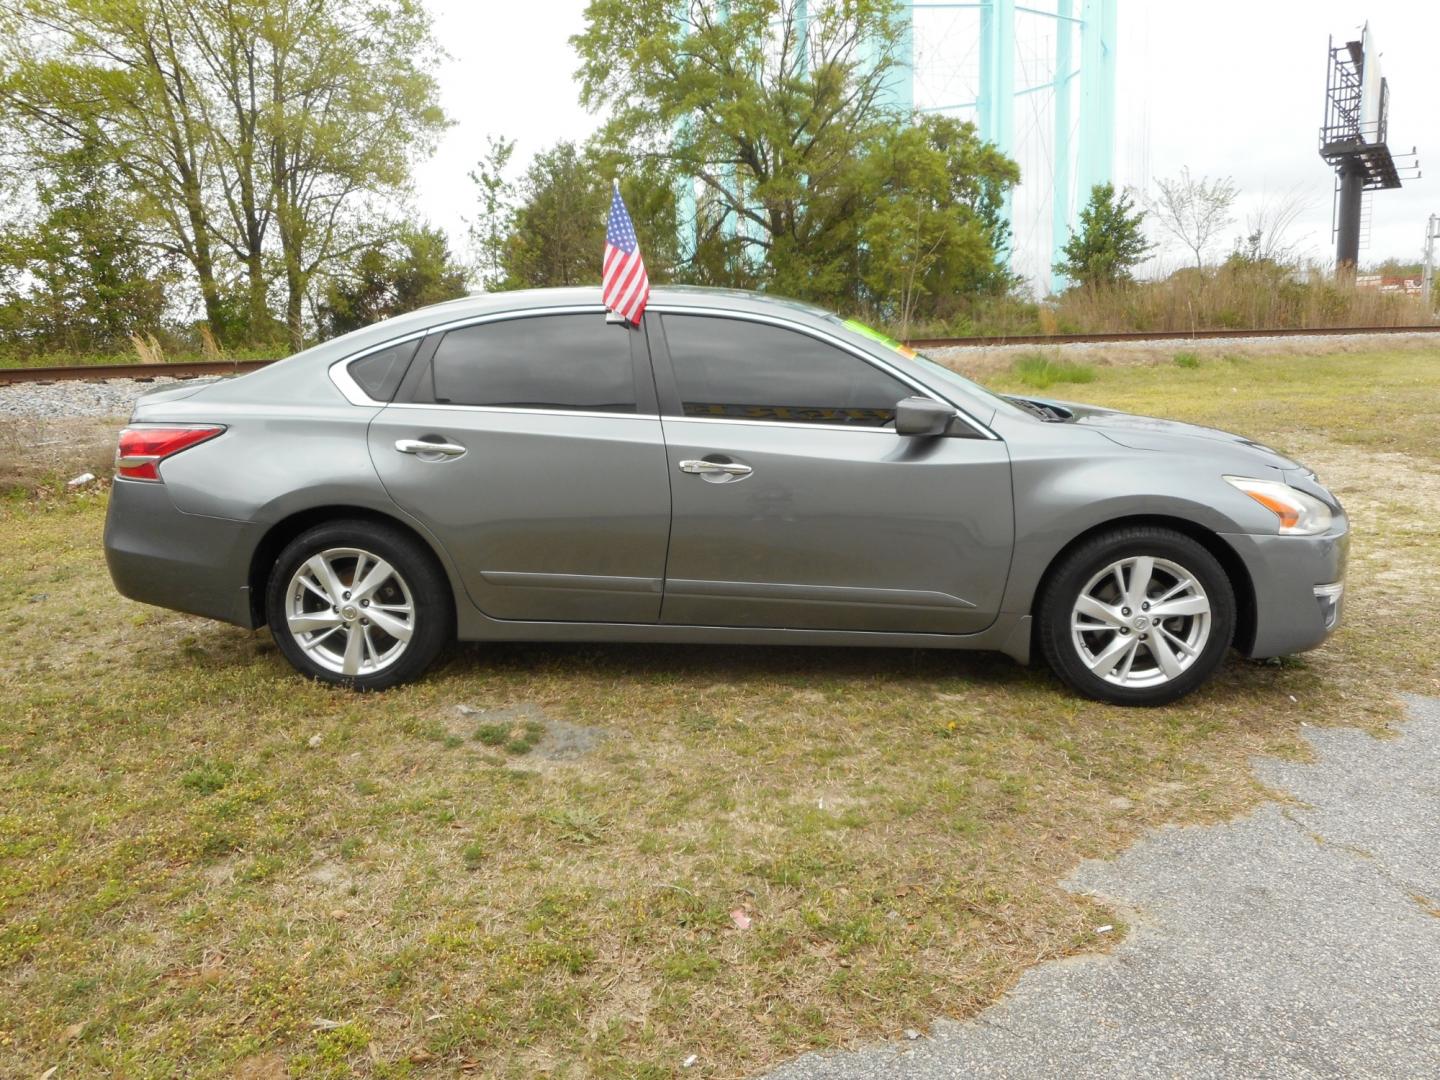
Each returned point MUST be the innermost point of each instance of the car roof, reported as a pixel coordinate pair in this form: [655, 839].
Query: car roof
[481, 303]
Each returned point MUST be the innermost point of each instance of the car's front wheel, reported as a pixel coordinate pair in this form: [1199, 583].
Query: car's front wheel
[358, 603]
[1137, 616]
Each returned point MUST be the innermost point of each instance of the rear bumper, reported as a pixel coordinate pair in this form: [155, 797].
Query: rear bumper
[186, 562]
[1295, 607]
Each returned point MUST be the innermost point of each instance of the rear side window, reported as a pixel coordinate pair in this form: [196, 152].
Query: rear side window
[379, 374]
[732, 368]
[578, 362]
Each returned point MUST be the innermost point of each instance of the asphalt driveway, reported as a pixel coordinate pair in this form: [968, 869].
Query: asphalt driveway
[1300, 941]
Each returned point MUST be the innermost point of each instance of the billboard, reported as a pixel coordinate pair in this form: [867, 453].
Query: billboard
[1372, 90]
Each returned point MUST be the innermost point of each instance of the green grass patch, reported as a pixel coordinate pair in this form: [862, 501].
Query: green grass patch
[1188, 360]
[1040, 372]
[514, 738]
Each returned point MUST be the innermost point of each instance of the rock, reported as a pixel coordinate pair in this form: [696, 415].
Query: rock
[314, 742]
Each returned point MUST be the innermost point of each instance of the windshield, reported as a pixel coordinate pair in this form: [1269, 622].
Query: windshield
[939, 371]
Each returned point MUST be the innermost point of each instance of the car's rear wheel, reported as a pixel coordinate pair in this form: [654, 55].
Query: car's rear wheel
[358, 603]
[1137, 616]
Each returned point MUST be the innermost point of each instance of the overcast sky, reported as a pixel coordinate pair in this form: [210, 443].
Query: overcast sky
[1228, 87]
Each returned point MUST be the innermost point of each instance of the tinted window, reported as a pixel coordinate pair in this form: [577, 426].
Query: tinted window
[732, 368]
[543, 362]
[379, 374]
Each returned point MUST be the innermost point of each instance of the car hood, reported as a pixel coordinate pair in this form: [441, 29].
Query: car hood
[1151, 433]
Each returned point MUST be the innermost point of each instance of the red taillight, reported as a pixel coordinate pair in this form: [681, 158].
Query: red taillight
[143, 448]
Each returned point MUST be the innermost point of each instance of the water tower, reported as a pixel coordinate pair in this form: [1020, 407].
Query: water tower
[1038, 80]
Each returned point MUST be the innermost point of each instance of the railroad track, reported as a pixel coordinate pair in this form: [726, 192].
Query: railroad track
[100, 373]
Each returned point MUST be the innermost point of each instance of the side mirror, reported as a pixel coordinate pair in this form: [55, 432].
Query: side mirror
[922, 416]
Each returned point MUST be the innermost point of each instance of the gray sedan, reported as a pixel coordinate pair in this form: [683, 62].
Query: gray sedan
[737, 469]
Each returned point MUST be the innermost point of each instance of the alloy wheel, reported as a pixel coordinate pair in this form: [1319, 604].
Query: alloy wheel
[1141, 621]
[350, 611]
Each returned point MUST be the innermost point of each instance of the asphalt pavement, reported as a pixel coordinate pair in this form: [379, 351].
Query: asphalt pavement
[1300, 941]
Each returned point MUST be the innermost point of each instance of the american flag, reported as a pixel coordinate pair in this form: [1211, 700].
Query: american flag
[624, 285]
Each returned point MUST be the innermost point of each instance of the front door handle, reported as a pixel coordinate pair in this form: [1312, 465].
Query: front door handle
[702, 467]
[434, 450]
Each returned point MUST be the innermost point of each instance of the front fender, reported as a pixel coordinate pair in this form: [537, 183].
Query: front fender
[1069, 481]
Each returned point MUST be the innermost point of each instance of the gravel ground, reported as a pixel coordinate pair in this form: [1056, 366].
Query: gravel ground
[1299, 942]
[111, 398]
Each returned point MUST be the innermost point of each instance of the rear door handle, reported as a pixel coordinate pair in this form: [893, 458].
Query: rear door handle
[715, 468]
[428, 449]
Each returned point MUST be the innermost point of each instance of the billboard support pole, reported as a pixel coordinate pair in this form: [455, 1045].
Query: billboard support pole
[1347, 229]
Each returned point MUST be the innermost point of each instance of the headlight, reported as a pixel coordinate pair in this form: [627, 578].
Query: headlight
[1300, 514]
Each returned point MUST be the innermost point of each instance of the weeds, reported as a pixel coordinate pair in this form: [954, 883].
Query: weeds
[1039, 372]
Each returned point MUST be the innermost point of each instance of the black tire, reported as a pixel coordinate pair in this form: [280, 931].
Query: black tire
[432, 617]
[1079, 567]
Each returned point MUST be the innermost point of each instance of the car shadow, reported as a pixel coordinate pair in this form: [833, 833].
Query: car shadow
[807, 664]
[739, 663]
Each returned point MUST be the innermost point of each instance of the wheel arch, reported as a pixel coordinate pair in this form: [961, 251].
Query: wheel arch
[1229, 560]
[262, 559]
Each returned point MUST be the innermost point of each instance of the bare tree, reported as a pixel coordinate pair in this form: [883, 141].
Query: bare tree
[1267, 228]
[1194, 211]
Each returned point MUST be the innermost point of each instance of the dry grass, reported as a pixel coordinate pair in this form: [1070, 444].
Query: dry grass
[1228, 297]
[147, 349]
[208, 867]
[1231, 297]
[38, 453]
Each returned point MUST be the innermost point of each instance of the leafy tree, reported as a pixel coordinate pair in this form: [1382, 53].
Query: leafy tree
[79, 278]
[783, 123]
[771, 130]
[1195, 212]
[356, 104]
[490, 228]
[549, 229]
[409, 271]
[1109, 243]
[933, 221]
[112, 77]
[252, 131]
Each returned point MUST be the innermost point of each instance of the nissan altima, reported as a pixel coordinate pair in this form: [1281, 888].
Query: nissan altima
[735, 468]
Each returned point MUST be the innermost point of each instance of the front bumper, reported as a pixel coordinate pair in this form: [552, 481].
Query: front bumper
[185, 562]
[1296, 604]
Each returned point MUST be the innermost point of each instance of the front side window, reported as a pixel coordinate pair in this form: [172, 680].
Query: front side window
[575, 362]
[735, 369]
